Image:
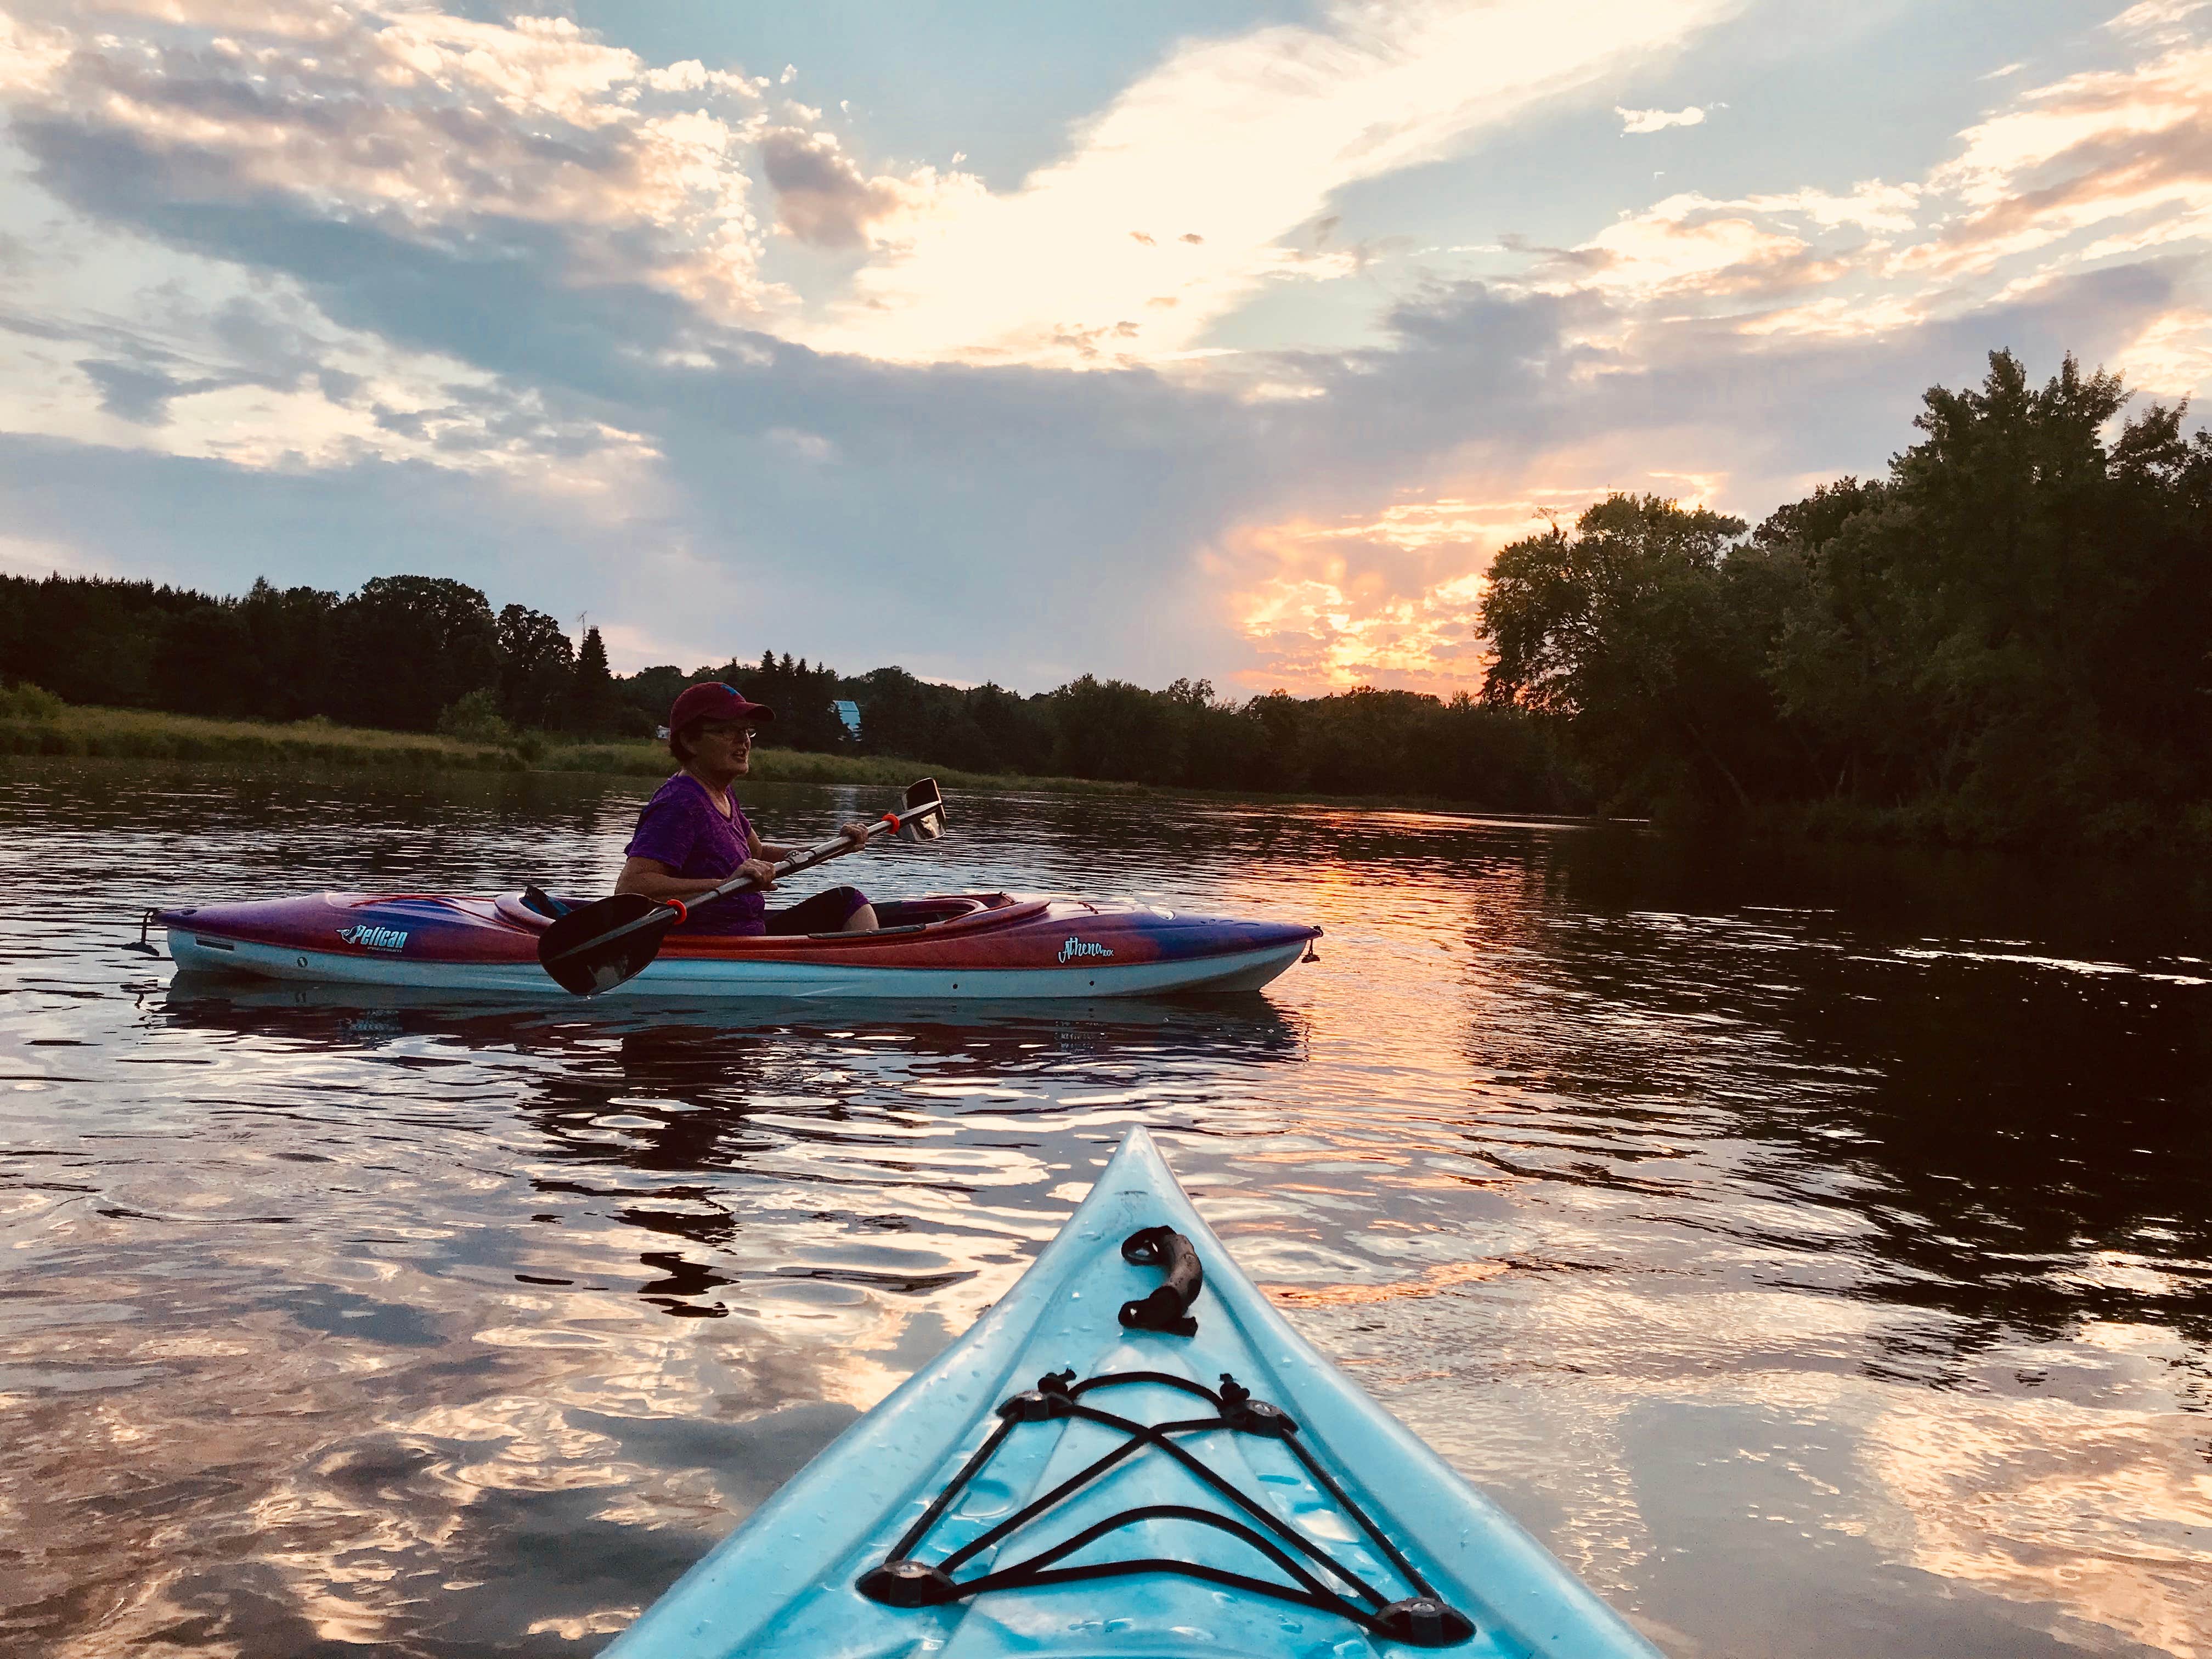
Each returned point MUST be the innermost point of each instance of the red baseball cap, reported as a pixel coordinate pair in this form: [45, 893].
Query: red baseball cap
[711, 699]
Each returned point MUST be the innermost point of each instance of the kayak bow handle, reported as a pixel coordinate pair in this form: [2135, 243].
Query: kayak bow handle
[1168, 1308]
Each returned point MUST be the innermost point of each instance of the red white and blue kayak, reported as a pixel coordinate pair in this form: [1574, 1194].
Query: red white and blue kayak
[984, 946]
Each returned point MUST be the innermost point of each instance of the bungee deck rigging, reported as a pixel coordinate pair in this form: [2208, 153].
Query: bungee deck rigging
[1421, 1619]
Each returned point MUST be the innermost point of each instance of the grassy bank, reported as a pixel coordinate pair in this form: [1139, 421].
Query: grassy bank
[44, 726]
[643, 759]
[34, 723]
[144, 734]
[37, 724]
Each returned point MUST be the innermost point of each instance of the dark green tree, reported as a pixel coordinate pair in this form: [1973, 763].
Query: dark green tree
[408, 647]
[1623, 627]
[649, 694]
[89, 639]
[2009, 635]
[292, 643]
[595, 708]
[198, 662]
[1112, 729]
[800, 696]
[537, 668]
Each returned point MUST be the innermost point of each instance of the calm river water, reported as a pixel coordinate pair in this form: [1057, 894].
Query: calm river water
[1817, 1254]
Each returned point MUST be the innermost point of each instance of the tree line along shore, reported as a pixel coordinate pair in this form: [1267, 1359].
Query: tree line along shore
[2006, 640]
[34, 721]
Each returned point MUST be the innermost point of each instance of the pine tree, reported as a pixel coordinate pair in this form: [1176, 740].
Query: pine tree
[591, 701]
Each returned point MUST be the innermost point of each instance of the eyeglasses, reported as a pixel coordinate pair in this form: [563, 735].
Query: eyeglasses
[713, 728]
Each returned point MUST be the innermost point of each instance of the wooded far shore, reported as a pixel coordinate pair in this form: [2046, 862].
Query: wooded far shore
[2005, 641]
[50, 728]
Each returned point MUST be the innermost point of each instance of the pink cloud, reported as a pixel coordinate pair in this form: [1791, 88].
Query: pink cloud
[426, 124]
[2130, 150]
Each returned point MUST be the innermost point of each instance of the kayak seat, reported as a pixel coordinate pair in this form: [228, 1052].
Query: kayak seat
[922, 913]
[912, 915]
[873, 933]
[533, 907]
[537, 898]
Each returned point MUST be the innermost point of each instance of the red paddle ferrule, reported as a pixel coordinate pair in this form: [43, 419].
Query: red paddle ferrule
[683, 911]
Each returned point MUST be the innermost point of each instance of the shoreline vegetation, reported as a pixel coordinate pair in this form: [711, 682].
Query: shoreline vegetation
[53, 729]
[2005, 642]
[37, 725]
[34, 725]
[426, 658]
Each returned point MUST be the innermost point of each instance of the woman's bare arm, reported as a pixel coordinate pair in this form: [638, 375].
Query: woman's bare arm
[651, 878]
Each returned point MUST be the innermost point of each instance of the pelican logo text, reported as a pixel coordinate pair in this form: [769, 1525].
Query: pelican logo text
[375, 939]
[1081, 947]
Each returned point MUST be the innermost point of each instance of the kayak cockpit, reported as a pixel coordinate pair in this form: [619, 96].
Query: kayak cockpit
[535, 910]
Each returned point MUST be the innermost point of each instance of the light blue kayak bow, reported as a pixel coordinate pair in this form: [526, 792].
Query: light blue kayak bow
[1064, 1480]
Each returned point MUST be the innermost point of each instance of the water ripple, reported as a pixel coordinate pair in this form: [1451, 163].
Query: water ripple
[1803, 1248]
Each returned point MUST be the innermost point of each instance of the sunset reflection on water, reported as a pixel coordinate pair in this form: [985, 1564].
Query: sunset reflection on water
[1812, 1252]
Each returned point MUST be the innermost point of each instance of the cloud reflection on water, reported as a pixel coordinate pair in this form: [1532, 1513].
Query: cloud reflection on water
[1793, 1285]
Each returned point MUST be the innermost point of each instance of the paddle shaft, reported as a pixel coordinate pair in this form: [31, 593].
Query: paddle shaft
[820, 853]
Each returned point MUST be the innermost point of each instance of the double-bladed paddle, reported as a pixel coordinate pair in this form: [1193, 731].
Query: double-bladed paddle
[596, 947]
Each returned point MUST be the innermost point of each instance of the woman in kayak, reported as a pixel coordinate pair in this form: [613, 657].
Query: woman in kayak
[692, 835]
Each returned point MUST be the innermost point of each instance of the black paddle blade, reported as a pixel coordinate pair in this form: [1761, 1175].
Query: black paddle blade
[922, 817]
[597, 947]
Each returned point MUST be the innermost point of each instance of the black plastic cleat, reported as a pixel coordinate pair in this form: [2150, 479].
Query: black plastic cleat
[1422, 1622]
[911, 1584]
[1242, 1413]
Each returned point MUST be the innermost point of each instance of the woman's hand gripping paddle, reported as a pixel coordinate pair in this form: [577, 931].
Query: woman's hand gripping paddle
[597, 946]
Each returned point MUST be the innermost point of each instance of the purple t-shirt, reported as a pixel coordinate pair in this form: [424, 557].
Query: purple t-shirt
[682, 829]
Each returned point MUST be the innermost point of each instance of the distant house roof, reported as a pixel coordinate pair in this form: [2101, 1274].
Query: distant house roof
[850, 714]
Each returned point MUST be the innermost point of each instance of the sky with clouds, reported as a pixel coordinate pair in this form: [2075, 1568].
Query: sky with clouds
[1210, 337]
